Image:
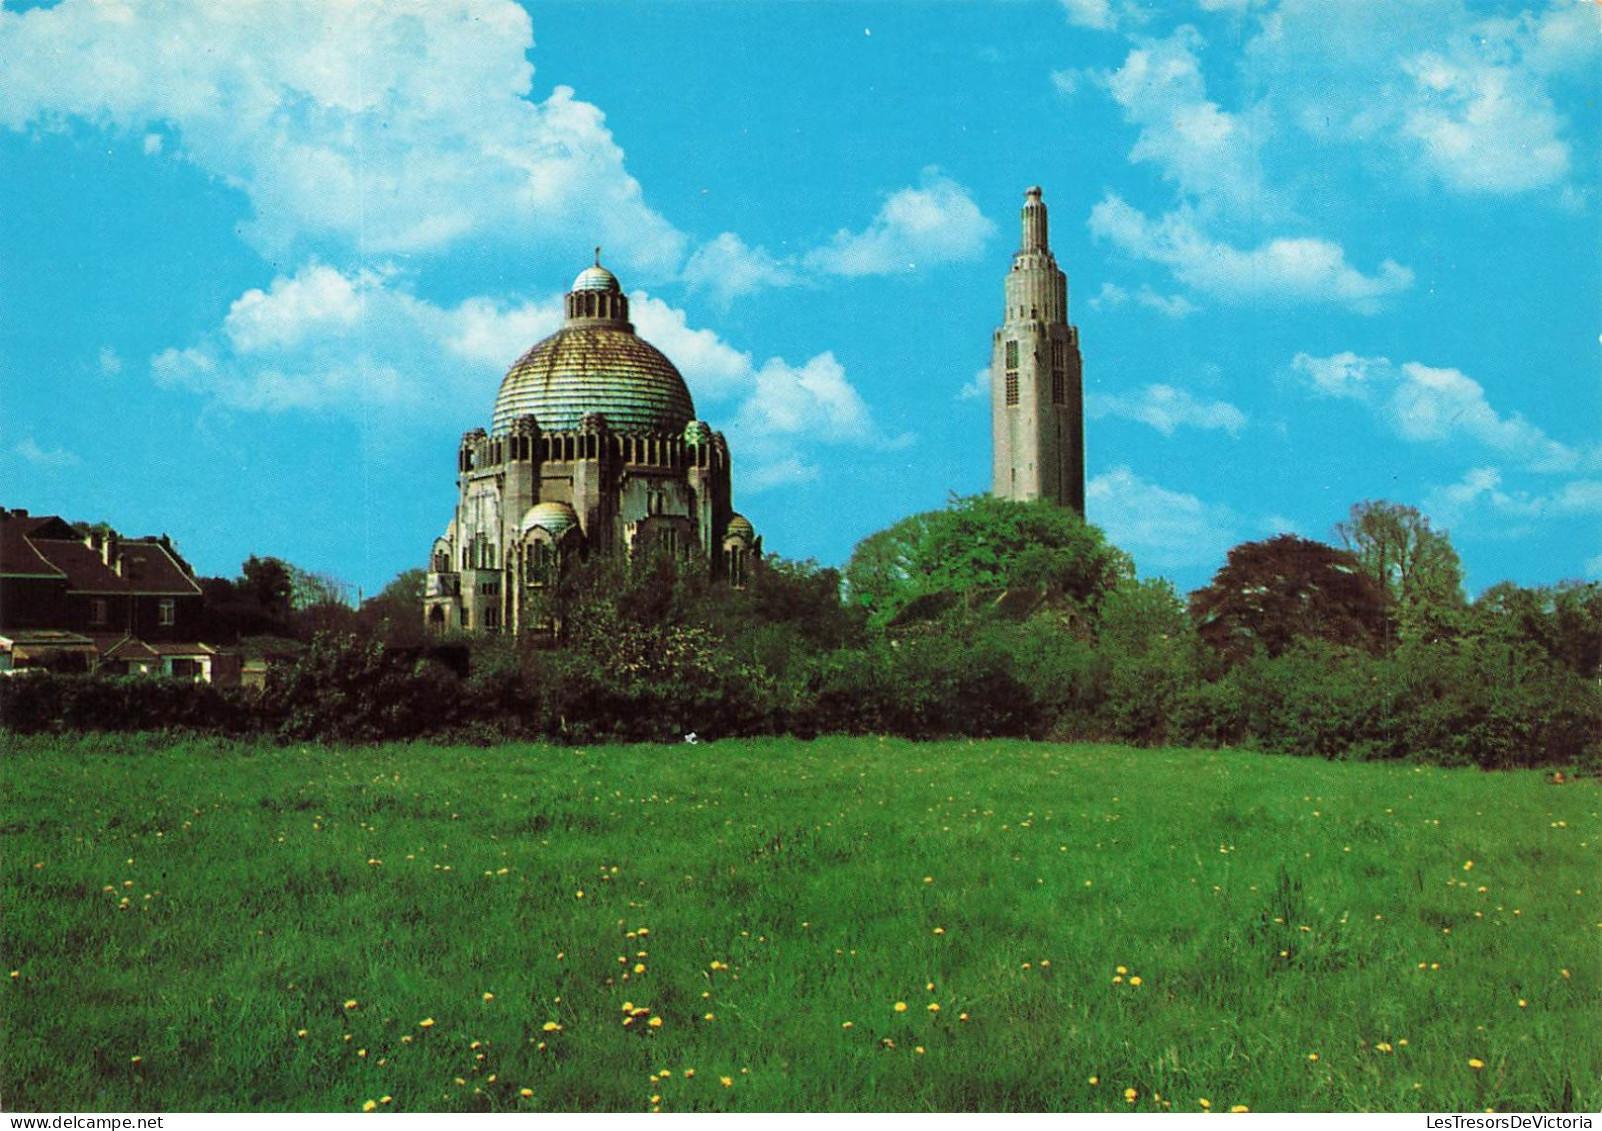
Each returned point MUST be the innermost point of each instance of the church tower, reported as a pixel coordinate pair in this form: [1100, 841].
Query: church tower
[1036, 388]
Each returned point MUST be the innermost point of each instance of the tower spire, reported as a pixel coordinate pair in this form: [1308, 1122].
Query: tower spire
[1034, 221]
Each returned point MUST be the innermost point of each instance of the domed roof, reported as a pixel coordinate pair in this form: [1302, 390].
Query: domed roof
[740, 526]
[595, 365]
[596, 278]
[589, 369]
[558, 518]
[697, 432]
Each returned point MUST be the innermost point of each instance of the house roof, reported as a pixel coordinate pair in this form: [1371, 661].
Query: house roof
[147, 568]
[18, 556]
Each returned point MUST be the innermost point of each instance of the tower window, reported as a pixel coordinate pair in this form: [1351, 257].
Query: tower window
[1012, 387]
[1012, 355]
[1057, 389]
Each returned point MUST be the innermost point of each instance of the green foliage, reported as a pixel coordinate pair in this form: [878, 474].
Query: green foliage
[1416, 566]
[353, 689]
[979, 547]
[310, 903]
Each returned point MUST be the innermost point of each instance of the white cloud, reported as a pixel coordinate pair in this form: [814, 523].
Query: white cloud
[933, 223]
[728, 268]
[51, 459]
[1166, 409]
[1161, 528]
[1090, 13]
[1302, 269]
[1435, 92]
[321, 340]
[1427, 404]
[1111, 296]
[977, 387]
[393, 128]
[1211, 155]
[937, 222]
[108, 361]
[1480, 497]
[1483, 127]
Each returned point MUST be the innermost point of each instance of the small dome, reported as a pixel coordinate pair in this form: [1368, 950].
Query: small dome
[697, 432]
[557, 518]
[740, 527]
[596, 278]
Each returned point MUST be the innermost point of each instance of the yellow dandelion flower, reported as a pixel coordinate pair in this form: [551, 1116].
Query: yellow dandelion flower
[962, 1017]
[1094, 1080]
[1130, 1095]
[1121, 970]
[1117, 978]
[1523, 1004]
[726, 1081]
[426, 1023]
[1239, 1108]
[370, 1105]
[550, 1027]
[689, 1072]
[846, 1024]
[1467, 865]
[1476, 1063]
[301, 1033]
[934, 1007]
[362, 1053]
[351, 1004]
[1383, 1046]
[1135, 981]
[656, 1099]
[939, 930]
[578, 894]
[639, 967]
[919, 1050]
[488, 996]
[901, 1007]
[136, 1060]
[386, 1099]
[526, 1093]
[710, 1017]
[1312, 1056]
[1206, 1104]
[655, 1022]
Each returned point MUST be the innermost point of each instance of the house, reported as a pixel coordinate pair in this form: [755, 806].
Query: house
[99, 602]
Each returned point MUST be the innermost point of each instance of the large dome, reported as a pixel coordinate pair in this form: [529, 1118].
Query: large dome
[595, 364]
[581, 370]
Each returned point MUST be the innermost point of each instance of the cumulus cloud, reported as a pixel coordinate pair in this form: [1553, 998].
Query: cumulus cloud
[1283, 269]
[1167, 409]
[936, 222]
[1481, 497]
[108, 361]
[728, 268]
[399, 128]
[1461, 101]
[1211, 155]
[1111, 296]
[1427, 404]
[321, 340]
[1161, 528]
[976, 387]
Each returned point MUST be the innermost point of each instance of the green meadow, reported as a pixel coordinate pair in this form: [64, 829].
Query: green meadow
[846, 924]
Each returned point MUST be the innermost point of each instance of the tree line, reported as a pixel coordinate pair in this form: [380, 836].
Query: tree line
[985, 618]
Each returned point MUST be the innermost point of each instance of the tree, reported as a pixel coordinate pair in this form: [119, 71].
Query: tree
[983, 546]
[1416, 565]
[1272, 593]
[396, 613]
[268, 585]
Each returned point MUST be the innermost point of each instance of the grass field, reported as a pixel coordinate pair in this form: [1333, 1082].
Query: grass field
[782, 925]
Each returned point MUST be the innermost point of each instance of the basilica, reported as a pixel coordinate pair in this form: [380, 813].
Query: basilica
[593, 447]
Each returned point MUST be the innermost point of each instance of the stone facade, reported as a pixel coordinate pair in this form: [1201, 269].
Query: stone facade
[593, 447]
[1036, 378]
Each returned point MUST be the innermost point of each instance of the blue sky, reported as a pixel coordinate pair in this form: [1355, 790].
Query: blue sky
[263, 262]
